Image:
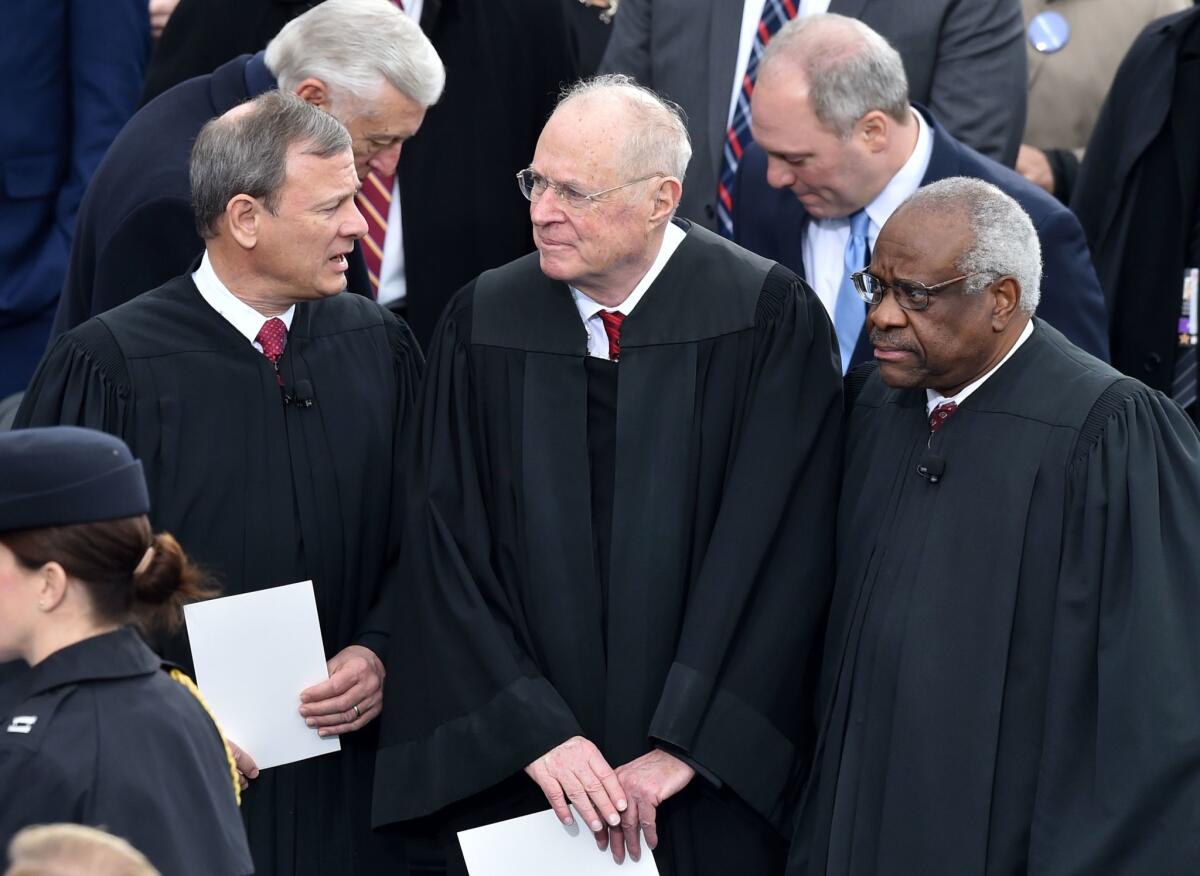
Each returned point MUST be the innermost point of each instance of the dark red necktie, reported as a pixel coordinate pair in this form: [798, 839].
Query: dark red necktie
[612, 327]
[374, 202]
[272, 337]
[941, 414]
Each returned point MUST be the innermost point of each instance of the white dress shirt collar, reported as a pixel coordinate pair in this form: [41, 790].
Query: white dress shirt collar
[589, 307]
[236, 312]
[933, 398]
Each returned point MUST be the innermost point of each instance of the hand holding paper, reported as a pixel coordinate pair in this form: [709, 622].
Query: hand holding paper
[355, 679]
[254, 653]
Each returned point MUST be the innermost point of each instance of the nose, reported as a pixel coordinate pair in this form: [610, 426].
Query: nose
[887, 314]
[779, 174]
[385, 160]
[354, 224]
[545, 209]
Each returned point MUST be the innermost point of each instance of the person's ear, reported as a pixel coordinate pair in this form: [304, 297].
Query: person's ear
[1006, 297]
[666, 199]
[874, 130]
[52, 587]
[242, 216]
[314, 91]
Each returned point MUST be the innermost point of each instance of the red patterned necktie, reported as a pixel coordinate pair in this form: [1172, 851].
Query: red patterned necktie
[612, 327]
[941, 414]
[375, 200]
[776, 13]
[272, 337]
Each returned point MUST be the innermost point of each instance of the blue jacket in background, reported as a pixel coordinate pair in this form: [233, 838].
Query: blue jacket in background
[74, 71]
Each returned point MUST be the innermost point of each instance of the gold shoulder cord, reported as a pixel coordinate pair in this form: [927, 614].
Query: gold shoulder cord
[190, 686]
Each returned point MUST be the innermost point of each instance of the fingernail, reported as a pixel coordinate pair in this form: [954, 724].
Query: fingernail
[311, 723]
[322, 732]
[621, 804]
[568, 821]
[254, 774]
[614, 819]
[596, 825]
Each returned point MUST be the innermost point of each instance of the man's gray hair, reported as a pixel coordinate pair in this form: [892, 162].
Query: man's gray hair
[245, 152]
[1005, 242]
[657, 141]
[849, 68]
[353, 46]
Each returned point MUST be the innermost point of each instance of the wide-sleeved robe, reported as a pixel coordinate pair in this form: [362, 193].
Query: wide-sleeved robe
[638, 553]
[1012, 670]
[262, 492]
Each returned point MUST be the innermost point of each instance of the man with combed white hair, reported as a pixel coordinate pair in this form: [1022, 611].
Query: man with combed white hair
[1011, 682]
[363, 61]
[619, 534]
[838, 146]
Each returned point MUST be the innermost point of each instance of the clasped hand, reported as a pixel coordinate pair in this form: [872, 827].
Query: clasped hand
[627, 799]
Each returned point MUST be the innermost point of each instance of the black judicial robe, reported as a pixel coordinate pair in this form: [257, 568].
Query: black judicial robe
[104, 737]
[261, 493]
[1012, 672]
[703, 635]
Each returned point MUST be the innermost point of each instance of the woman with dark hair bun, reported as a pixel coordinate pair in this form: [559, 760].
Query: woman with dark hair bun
[104, 733]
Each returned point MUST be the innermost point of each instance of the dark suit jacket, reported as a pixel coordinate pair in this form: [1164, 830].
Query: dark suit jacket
[964, 58]
[771, 222]
[1138, 194]
[75, 67]
[135, 228]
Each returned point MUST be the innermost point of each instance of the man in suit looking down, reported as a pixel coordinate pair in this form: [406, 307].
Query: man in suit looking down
[838, 146]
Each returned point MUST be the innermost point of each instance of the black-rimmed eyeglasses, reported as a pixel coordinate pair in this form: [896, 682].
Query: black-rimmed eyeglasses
[910, 294]
[533, 185]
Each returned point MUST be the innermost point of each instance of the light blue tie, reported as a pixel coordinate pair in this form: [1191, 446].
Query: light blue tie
[849, 311]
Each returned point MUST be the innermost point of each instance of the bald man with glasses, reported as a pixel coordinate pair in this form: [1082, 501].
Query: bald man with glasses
[620, 531]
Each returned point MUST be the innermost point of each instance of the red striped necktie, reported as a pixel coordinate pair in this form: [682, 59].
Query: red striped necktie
[612, 327]
[375, 200]
[776, 13]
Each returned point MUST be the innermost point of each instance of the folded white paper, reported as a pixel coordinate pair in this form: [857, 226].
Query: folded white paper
[254, 653]
[541, 845]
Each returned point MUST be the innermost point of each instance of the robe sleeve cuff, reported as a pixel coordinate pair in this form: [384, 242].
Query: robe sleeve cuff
[700, 769]
[471, 753]
[734, 741]
[377, 642]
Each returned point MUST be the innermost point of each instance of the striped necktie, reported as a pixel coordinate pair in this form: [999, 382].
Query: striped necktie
[375, 200]
[776, 13]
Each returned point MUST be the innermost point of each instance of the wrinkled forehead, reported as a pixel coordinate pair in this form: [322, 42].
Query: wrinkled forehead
[584, 141]
[919, 238]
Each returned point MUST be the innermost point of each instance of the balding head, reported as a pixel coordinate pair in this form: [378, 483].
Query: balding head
[650, 133]
[604, 183]
[845, 68]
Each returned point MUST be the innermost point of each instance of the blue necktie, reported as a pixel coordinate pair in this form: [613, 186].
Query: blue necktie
[850, 311]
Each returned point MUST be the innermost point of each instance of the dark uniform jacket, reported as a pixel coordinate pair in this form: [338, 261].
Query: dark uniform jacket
[104, 737]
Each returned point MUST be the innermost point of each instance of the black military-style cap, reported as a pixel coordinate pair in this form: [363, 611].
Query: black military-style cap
[64, 475]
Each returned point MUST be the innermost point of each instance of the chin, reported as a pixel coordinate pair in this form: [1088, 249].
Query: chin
[900, 378]
[554, 269]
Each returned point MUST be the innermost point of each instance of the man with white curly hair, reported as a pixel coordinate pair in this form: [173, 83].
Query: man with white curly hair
[1011, 682]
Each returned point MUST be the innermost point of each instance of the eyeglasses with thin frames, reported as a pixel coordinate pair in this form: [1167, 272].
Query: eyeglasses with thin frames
[910, 294]
[533, 185]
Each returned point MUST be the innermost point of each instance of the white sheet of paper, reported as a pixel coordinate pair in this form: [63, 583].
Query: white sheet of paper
[254, 653]
[540, 845]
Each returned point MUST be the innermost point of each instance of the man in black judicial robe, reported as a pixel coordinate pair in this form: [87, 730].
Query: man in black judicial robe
[1011, 679]
[619, 537]
[269, 472]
